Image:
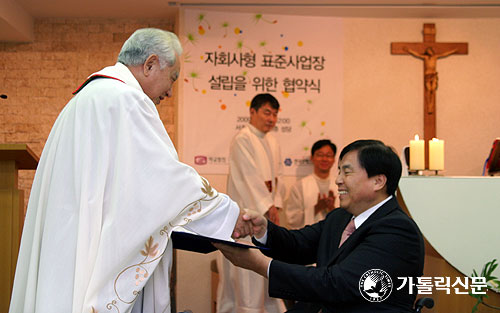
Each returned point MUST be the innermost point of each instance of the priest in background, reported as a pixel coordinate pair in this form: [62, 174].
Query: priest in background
[254, 182]
[108, 191]
[312, 197]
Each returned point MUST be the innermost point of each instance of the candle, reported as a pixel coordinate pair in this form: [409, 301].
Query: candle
[436, 154]
[417, 154]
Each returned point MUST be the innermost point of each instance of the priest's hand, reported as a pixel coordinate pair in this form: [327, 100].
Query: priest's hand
[250, 259]
[325, 203]
[258, 222]
[243, 227]
[273, 215]
[330, 201]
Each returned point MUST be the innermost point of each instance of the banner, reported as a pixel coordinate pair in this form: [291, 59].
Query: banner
[230, 57]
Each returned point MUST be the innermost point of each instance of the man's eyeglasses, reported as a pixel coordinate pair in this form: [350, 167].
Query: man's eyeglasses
[321, 155]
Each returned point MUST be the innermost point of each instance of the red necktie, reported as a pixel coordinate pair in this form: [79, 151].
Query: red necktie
[349, 229]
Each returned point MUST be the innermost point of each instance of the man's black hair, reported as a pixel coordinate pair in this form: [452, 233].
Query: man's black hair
[321, 143]
[263, 98]
[377, 158]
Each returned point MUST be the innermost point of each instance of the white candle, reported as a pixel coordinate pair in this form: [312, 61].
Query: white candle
[417, 154]
[436, 154]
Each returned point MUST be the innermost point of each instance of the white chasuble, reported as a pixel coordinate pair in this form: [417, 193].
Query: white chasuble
[310, 191]
[254, 182]
[303, 198]
[107, 192]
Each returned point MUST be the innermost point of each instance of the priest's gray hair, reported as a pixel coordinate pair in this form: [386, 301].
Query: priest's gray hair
[147, 41]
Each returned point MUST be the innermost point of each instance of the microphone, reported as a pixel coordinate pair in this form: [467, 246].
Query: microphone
[3, 96]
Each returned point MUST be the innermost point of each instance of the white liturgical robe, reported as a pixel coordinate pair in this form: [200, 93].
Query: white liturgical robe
[254, 182]
[255, 170]
[107, 192]
[304, 196]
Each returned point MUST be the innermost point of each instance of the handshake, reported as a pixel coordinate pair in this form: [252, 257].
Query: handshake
[250, 223]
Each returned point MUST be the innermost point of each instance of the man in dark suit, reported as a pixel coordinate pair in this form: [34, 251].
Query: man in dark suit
[356, 273]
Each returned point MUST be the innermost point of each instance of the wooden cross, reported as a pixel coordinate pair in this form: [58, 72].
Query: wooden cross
[429, 51]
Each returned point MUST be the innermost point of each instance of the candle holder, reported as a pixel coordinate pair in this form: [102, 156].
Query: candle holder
[435, 172]
[425, 172]
[415, 172]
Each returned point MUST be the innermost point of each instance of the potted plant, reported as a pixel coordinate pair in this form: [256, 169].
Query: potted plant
[492, 282]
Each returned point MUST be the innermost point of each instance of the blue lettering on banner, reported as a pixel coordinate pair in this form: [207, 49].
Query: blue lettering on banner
[288, 162]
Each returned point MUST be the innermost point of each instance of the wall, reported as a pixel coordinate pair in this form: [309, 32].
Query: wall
[383, 99]
[383, 95]
[40, 76]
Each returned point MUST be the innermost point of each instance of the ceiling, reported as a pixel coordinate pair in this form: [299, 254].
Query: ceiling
[17, 16]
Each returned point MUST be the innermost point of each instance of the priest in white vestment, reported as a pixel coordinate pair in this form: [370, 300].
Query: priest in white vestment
[254, 182]
[108, 191]
[312, 197]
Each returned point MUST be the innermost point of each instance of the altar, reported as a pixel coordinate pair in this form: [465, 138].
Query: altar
[459, 218]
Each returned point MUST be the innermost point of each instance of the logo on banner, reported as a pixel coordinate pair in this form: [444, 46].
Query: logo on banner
[375, 285]
[200, 160]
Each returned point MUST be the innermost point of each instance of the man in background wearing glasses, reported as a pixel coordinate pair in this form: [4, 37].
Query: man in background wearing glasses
[312, 197]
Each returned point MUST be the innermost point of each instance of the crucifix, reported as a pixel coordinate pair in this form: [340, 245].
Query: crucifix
[429, 51]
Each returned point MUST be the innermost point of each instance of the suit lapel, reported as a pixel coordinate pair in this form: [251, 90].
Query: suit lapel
[357, 235]
[337, 234]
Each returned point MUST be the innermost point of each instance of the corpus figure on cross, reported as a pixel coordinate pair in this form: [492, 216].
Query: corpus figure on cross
[430, 73]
